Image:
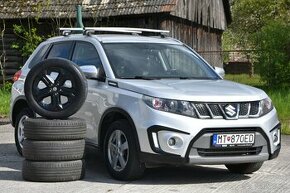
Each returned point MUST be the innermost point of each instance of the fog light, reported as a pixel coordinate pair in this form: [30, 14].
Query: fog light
[175, 142]
[171, 141]
[276, 137]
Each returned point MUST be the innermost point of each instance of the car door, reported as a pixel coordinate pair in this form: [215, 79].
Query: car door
[84, 54]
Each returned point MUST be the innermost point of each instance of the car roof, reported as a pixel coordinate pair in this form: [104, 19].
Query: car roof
[116, 38]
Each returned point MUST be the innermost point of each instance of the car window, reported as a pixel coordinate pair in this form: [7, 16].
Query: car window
[38, 56]
[86, 54]
[61, 50]
[153, 60]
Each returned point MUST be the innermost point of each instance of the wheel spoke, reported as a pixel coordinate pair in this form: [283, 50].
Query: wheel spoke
[46, 80]
[122, 162]
[114, 161]
[68, 92]
[118, 138]
[56, 102]
[43, 93]
[113, 147]
[61, 78]
[124, 146]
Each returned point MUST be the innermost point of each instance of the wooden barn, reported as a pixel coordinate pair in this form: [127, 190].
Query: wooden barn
[198, 23]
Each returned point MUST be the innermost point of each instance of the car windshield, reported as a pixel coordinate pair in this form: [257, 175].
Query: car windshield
[156, 61]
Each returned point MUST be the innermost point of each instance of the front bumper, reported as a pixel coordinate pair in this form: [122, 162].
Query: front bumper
[196, 139]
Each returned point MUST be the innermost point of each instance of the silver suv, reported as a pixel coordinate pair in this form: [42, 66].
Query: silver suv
[152, 99]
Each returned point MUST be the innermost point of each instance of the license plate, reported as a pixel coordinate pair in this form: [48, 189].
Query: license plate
[237, 139]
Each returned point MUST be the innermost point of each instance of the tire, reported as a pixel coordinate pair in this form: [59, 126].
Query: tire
[133, 169]
[53, 171]
[53, 150]
[245, 168]
[50, 130]
[40, 84]
[19, 127]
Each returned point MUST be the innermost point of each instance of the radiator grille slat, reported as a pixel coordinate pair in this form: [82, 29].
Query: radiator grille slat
[217, 110]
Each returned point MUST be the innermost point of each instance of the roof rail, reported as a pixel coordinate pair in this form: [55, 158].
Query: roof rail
[90, 30]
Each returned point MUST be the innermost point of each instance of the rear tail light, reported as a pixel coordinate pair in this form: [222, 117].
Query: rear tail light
[16, 75]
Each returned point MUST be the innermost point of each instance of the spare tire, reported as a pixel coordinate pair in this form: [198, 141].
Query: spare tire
[53, 171]
[53, 150]
[53, 130]
[55, 88]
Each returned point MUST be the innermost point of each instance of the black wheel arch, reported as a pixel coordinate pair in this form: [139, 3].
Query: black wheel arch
[113, 114]
[19, 104]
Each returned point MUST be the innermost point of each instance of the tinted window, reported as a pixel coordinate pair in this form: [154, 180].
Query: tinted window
[39, 55]
[61, 50]
[86, 54]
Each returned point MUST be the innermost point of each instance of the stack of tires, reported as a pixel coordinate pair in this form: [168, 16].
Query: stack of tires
[54, 144]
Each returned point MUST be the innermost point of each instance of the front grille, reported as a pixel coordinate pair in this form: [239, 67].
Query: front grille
[233, 151]
[217, 110]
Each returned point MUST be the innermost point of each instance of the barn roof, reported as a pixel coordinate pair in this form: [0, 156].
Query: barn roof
[213, 13]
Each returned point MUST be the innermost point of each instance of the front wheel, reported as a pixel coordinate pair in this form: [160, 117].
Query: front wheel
[120, 152]
[19, 128]
[245, 168]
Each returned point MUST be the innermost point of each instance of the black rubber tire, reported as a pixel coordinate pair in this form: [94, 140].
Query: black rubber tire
[78, 80]
[50, 130]
[244, 168]
[134, 169]
[53, 171]
[53, 150]
[24, 112]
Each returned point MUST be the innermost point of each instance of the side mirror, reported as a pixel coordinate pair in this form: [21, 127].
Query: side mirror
[220, 71]
[92, 72]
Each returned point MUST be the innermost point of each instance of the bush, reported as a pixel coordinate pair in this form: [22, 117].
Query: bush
[6, 87]
[29, 39]
[274, 54]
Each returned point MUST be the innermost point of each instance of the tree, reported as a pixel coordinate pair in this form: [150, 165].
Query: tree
[260, 25]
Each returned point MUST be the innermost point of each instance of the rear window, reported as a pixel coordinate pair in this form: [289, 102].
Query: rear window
[61, 50]
[38, 56]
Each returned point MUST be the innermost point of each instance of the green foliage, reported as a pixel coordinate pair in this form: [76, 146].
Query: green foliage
[6, 87]
[29, 39]
[263, 25]
[274, 57]
[5, 99]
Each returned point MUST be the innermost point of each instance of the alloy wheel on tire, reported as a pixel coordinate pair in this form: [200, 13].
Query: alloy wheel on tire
[20, 132]
[54, 89]
[118, 150]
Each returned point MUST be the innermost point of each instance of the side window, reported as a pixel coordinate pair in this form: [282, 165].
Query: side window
[61, 50]
[86, 54]
[38, 56]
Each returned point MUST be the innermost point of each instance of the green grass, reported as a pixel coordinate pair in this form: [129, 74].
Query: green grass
[280, 97]
[4, 102]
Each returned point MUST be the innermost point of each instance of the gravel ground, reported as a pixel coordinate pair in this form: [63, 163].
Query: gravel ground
[274, 176]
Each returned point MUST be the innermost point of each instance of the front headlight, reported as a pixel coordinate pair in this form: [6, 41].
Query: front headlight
[266, 106]
[172, 106]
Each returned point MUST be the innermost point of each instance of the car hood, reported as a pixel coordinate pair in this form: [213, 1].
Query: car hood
[194, 90]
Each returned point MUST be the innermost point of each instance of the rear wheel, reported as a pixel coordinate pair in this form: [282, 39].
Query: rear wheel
[19, 128]
[245, 168]
[120, 152]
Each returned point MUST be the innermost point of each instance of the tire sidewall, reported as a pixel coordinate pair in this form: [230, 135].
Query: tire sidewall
[79, 80]
[125, 128]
